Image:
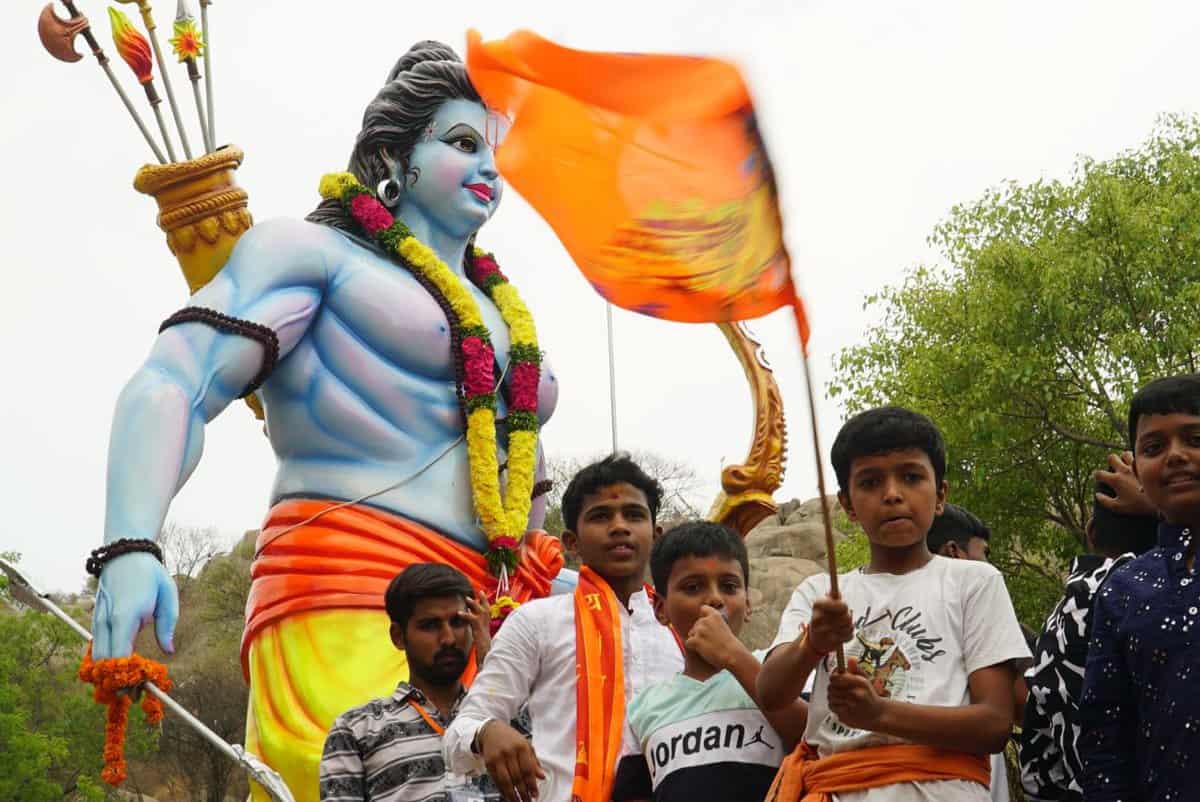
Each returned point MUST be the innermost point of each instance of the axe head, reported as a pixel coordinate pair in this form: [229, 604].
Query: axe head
[58, 35]
[21, 588]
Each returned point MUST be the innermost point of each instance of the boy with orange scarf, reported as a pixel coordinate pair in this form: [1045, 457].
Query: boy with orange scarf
[574, 660]
[930, 641]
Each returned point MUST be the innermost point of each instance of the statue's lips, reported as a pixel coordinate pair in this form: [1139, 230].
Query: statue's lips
[481, 191]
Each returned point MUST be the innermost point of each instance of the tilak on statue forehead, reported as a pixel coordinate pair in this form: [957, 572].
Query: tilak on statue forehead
[495, 127]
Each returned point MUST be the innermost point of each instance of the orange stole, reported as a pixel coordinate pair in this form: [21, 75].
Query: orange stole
[347, 556]
[599, 688]
[805, 778]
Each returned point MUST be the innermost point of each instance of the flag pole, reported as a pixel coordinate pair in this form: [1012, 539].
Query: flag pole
[831, 557]
[612, 377]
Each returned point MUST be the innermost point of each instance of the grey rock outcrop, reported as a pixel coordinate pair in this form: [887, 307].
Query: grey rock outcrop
[784, 549]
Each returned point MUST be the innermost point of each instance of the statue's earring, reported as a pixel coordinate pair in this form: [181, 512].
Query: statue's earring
[389, 191]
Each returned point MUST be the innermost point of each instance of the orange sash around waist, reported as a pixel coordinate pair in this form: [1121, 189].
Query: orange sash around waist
[346, 557]
[805, 778]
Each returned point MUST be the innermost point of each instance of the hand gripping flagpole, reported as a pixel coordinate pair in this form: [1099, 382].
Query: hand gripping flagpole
[802, 329]
[23, 591]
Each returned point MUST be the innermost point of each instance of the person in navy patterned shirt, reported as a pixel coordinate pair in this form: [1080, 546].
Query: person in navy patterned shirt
[1140, 712]
[1048, 745]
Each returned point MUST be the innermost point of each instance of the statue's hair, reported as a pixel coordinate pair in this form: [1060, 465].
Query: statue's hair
[424, 78]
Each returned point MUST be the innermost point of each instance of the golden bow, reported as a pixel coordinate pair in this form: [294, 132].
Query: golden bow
[748, 488]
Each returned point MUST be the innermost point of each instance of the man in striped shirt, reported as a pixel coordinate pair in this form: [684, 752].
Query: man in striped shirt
[390, 750]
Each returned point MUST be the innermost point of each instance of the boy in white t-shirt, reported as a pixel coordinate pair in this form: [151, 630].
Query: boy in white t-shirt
[930, 642]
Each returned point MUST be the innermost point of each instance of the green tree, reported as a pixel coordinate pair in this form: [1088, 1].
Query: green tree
[1056, 300]
[208, 675]
[51, 732]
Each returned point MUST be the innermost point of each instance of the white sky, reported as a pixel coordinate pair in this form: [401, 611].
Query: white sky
[879, 117]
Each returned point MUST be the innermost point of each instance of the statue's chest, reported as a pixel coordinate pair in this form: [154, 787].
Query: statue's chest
[378, 309]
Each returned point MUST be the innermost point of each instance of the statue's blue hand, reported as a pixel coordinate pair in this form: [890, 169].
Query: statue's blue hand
[133, 589]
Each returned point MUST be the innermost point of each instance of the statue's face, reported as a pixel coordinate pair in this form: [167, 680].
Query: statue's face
[452, 179]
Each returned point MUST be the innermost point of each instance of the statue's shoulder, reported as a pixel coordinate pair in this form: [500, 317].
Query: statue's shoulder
[290, 235]
[289, 251]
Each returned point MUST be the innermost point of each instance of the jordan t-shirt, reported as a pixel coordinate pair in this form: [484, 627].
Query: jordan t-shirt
[697, 741]
[918, 637]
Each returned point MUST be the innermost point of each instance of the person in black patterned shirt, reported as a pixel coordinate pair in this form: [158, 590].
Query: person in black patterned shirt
[390, 750]
[1049, 757]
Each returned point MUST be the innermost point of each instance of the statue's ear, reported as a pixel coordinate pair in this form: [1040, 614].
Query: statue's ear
[393, 165]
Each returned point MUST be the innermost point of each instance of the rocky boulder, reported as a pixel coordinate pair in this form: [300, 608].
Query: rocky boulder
[784, 549]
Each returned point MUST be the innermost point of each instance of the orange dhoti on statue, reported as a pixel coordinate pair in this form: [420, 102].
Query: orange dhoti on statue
[316, 641]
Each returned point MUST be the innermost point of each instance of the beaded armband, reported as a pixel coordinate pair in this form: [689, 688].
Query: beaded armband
[263, 335]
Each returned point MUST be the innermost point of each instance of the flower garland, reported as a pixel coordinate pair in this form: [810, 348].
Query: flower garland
[503, 520]
[109, 678]
[501, 609]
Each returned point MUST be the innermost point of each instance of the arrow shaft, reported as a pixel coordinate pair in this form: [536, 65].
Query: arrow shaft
[137, 118]
[208, 93]
[162, 126]
[162, 68]
[200, 111]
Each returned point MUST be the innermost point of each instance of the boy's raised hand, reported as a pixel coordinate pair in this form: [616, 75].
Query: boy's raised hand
[1130, 500]
[853, 700]
[831, 625]
[712, 639]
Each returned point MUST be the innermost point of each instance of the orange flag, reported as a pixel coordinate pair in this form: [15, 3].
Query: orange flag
[651, 171]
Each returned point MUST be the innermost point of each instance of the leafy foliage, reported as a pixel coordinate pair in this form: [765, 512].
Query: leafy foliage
[1056, 301]
[51, 732]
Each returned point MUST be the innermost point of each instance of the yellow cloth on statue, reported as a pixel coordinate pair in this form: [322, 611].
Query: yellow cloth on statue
[306, 670]
[317, 639]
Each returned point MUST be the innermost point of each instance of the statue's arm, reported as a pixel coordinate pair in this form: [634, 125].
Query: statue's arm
[276, 278]
[537, 510]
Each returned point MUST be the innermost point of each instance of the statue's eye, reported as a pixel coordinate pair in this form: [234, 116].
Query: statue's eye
[466, 144]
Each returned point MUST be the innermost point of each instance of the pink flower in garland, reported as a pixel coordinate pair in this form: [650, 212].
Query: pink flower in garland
[478, 359]
[486, 266]
[525, 377]
[372, 215]
[509, 543]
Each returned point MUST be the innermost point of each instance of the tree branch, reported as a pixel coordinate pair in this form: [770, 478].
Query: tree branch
[1083, 439]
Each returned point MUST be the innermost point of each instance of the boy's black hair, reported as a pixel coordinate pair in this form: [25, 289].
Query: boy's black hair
[1162, 397]
[1114, 533]
[958, 524]
[881, 431]
[611, 470]
[422, 581]
[695, 539]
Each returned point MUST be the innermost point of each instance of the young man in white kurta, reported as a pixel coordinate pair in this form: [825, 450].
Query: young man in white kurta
[532, 662]
[609, 508]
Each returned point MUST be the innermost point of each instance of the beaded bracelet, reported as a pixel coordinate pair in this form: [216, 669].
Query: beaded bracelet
[110, 551]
